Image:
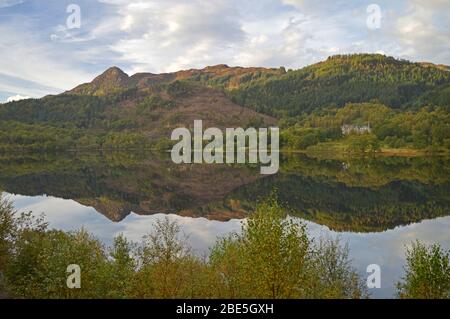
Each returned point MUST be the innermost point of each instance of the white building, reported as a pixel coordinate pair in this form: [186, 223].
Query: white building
[357, 129]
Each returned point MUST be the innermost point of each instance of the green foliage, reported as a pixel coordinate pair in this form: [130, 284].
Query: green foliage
[344, 79]
[153, 102]
[224, 77]
[271, 258]
[405, 103]
[38, 268]
[179, 88]
[61, 110]
[361, 114]
[20, 136]
[122, 124]
[256, 122]
[427, 273]
[168, 268]
[426, 129]
[274, 258]
[365, 143]
[125, 141]
[8, 231]
[13, 227]
[267, 260]
[334, 277]
[163, 144]
[121, 268]
[117, 94]
[301, 138]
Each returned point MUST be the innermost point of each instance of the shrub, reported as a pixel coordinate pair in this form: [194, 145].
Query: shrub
[427, 273]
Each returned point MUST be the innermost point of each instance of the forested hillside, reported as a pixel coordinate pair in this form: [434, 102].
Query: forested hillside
[406, 104]
[424, 129]
[348, 78]
[119, 118]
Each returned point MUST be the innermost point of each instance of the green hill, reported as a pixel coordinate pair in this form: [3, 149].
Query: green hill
[348, 79]
[116, 110]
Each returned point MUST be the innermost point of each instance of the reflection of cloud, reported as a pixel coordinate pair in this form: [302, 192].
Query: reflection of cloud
[200, 232]
[69, 215]
[386, 249]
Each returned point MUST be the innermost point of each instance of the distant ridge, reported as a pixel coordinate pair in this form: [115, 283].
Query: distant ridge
[114, 78]
[338, 80]
[116, 110]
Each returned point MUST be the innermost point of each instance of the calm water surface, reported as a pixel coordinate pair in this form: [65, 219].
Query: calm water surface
[376, 205]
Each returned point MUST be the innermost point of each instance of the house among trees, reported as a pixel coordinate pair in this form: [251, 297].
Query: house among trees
[358, 129]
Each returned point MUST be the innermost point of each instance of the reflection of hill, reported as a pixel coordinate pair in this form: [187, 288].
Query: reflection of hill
[366, 194]
[371, 171]
[344, 208]
[116, 185]
[357, 195]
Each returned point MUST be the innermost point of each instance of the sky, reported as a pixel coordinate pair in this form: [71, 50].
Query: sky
[49, 46]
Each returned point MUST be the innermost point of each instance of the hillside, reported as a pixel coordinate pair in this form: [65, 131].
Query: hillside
[348, 79]
[116, 110]
[217, 76]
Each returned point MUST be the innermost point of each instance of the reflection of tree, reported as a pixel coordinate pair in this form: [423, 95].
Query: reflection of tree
[343, 208]
[371, 171]
[369, 194]
[118, 183]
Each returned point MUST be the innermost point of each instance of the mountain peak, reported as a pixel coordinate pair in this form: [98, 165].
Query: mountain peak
[218, 66]
[114, 70]
[113, 76]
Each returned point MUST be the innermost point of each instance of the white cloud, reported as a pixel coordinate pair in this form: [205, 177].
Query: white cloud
[295, 3]
[172, 35]
[17, 97]
[422, 30]
[168, 35]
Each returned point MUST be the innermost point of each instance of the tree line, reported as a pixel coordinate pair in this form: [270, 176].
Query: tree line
[271, 258]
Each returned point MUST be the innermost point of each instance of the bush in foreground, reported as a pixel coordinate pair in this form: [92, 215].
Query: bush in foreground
[427, 273]
[272, 257]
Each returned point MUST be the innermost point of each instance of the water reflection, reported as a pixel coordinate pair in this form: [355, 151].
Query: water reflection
[383, 248]
[378, 205]
[364, 195]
